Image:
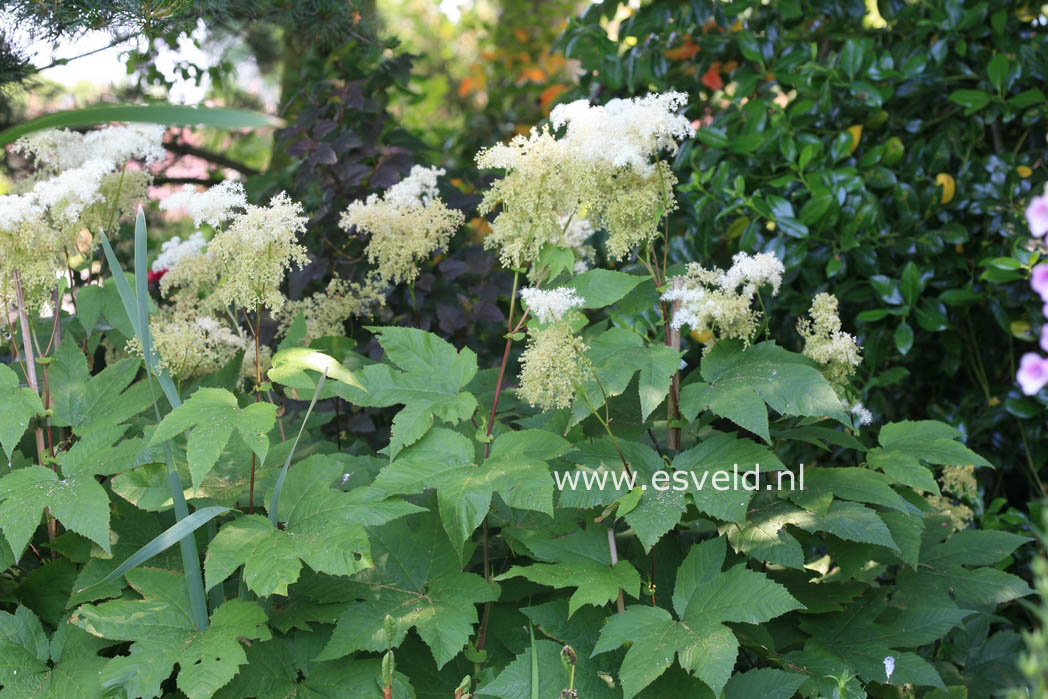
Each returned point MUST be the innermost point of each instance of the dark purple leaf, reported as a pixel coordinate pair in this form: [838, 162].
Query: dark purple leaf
[451, 317]
[323, 127]
[324, 154]
[451, 268]
[487, 311]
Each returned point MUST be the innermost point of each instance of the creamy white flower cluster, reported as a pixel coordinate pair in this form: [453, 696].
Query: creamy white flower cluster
[191, 344]
[624, 132]
[61, 149]
[862, 414]
[407, 223]
[213, 206]
[417, 189]
[245, 263]
[575, 232]
[551, 304]
[718, 302]
[176, 249]
[79, 185]
[604, 172]
[826, 343]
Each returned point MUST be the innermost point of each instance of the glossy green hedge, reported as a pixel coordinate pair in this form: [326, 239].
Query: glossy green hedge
[826, 143]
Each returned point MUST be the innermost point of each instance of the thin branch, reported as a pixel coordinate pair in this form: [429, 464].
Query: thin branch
[216, 158]
[203, 181]
[66, 61]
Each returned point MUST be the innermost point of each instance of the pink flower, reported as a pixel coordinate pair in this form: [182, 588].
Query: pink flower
[1033, 373]
[1037, 216]
[1039, 280]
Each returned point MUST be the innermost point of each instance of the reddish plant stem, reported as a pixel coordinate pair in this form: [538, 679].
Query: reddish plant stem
[30, 367]
[511, 330]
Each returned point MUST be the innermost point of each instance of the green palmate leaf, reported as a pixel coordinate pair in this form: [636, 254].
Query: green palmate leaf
[956, 571]
[323, 527]
[515, 468]
[86, 402]
[905, 445]
[703, 598]
[66, 667]
[738, 382]
[163, 541]
[616, 355]
[515, 681]
[821, 485]
[17, 407]
[870, 630]
[580, 631]
[79, 503]
[278, 669]
[132, 529]
[765, 683]
[420, 583]
[603, 287]
[23, 645]
[658, 512]
[579, 560]
[271, 557]
[763, 535]
[599, 458]
[170, 114]
[720, 496]
[972, 548]
[428, 383]
[163, 634]
[96, 454]
[211, 415]
[597, 584]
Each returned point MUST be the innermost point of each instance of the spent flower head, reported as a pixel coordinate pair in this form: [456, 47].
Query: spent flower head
[326, 311]
[537, 193]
